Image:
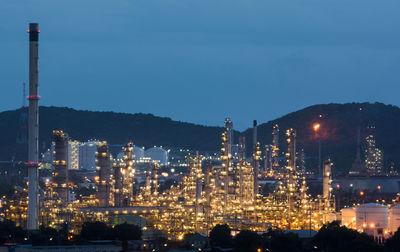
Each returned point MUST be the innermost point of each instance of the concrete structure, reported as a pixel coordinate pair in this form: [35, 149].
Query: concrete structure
[33, 131]
[60, 141]
[157, 154]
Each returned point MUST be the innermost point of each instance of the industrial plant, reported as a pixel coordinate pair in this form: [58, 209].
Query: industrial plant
[223, 188]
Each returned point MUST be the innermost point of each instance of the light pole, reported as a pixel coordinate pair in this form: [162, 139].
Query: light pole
[316, 128]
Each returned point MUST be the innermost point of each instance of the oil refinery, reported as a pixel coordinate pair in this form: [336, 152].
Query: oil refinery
[224, 191]
[222, 188]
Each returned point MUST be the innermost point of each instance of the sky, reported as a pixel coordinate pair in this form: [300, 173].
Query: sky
[201, 61]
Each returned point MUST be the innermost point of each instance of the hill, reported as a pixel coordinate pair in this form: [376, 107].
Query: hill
[339, 123]
[339, 126]
[116, 128]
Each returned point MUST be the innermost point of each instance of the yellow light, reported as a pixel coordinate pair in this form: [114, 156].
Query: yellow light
[316, 126]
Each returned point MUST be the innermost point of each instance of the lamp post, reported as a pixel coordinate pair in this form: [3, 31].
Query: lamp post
[316, 128]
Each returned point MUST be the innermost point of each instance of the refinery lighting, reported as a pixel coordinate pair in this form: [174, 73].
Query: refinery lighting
[316, 127]
[207, 195]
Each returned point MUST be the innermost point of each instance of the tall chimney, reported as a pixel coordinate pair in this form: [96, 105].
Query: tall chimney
[33, 132]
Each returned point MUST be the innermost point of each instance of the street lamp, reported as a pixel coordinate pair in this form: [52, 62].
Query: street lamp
[316, 128]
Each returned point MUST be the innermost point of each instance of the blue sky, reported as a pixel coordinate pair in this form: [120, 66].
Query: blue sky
[203, 60]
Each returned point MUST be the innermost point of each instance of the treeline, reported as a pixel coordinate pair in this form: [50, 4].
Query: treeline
[331, 237]
[11, 234]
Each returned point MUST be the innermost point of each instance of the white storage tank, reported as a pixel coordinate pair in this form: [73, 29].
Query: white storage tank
[349, 217]
[372, 216]
[157, 154]
[138, 152]
[394, 218]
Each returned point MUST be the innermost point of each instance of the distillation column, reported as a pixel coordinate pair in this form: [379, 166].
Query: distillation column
[33, 132]
[103, 167]
[118, 188]
[256, 158]
[129, 174]
[60, 140]
[291, 171]
[242, 148]
[226, 157]
[327, 184]
[275, 149]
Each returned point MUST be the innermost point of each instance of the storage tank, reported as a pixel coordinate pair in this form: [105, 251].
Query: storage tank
[372, 216]
[349, 217]
[120, 156]
[394, 218]
[138, 152]
[157, 154]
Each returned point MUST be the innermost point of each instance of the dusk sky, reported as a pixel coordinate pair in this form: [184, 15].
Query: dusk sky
[203, 60]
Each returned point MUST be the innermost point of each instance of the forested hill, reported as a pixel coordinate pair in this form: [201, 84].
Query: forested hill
[116, 128]
[339, 124]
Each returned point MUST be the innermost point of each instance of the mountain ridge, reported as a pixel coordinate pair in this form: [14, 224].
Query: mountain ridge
[339, 124]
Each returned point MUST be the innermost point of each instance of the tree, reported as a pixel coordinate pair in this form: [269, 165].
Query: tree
[333, 237]
[9, 232]
[393, 243]
[125, 232]
[278, 241]
[247, 240]
[95, 231]
[221, 236]
[44, 236]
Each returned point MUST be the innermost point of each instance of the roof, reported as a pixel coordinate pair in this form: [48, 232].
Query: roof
[372, 205]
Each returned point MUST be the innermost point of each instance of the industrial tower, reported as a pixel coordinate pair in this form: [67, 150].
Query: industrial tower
[33, 132]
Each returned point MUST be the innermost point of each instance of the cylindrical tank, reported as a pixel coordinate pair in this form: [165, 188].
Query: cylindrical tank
[138, 152]
[157, 154]
[371, 216]
[349, 217]
[394, 218]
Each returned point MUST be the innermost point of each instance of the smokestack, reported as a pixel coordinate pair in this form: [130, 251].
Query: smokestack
[33, 144]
